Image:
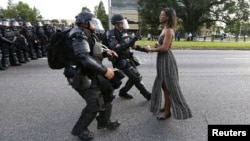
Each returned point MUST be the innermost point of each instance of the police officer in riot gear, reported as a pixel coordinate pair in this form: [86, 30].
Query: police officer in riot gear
[119, 41]
[89, 77]
[24, 43]
[8, 49]
[29, 34]
[18, 42]
[1, 66]
[48, 28]
[40, 46]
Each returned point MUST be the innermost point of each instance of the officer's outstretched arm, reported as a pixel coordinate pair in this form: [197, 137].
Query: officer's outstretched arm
[139, 48]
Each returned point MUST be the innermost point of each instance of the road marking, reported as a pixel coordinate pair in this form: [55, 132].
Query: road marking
[236, 58]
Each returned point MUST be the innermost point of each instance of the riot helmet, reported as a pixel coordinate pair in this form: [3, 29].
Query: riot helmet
[47, 22]
[90, 19]
[27, 24]
[5, 23]
[20, 23]
[14, 23]
[39, 23]
[116, 18]
[84, 17]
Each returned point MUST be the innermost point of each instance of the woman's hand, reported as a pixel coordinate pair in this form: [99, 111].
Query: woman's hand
[112, 53]
[148, 48]
[156, 45]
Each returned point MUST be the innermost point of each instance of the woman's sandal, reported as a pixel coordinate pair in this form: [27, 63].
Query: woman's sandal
[162, 109]
[165, 117]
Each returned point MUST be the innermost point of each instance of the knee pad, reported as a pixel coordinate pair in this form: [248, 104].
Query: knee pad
[94, 101]
[133, 74]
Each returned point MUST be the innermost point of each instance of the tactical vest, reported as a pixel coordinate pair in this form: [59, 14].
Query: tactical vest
[9, 34]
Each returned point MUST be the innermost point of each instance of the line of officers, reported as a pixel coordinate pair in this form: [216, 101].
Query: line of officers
[21, 42]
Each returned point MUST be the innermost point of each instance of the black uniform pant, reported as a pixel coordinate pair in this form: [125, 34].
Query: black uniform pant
[5, 56]
[94, 104]
[89, 112]
[1, 66]
[134, 78]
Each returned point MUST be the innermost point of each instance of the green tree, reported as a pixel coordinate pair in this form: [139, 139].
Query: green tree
[10, 12]
[55, 21]
[25, 12]
[21, 10]
[237, 14]
[101, 14]
[64, 22]
[1, 12]
[10, 4]
[85, 9]
[193, 13]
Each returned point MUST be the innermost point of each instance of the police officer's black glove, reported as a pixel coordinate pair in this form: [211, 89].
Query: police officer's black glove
[139, 48]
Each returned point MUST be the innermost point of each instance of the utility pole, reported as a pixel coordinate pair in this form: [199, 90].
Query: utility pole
[109, 11]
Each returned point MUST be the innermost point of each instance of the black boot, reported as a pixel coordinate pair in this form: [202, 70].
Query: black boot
[5, 58]
[103, 120]
[123, 91]
[83, 123]
[111, 125]
[20, 57]
[86, 135]
[33, 54]
[5, 62]
[143, 90]
[14, 60]
[1, 66]
[26, 56]
[44, 52]
[38, 51]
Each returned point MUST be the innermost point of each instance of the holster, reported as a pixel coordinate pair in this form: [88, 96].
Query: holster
[76, 79]
[81, 81]
[134, 60]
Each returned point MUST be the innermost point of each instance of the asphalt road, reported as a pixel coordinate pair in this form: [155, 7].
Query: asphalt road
[37, 104]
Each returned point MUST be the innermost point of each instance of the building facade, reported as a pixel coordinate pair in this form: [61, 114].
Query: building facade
[128, 9]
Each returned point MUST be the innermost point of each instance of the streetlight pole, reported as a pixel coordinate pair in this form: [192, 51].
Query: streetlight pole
[109, 8]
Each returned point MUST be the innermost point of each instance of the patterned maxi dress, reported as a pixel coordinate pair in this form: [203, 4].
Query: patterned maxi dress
[167, 74]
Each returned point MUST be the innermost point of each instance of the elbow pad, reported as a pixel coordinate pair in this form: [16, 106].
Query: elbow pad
[80, 43]
[80, 47]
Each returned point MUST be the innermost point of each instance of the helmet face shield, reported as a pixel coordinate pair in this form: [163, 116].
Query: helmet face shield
[28, 24]
[125, 24]
[15, 23]
[39, 24]
[5, 23]
[47, 22]
[97, 24]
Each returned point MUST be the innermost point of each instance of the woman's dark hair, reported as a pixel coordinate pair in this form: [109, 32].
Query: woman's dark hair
[170, 12]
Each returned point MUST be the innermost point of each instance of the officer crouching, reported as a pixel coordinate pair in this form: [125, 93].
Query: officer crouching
[89, 77]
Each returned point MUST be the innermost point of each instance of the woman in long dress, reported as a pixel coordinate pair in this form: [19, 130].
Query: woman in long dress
[167, 78]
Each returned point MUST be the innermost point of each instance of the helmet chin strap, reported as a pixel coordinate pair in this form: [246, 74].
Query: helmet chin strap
[88, 27]
[118, 27]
